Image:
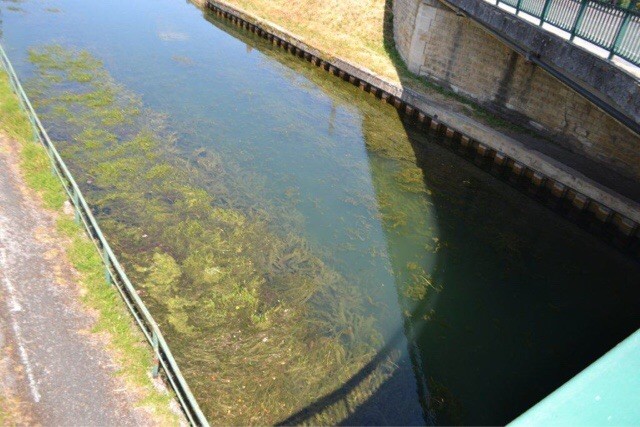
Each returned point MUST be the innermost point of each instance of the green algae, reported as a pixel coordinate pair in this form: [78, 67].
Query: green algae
[183, 60]
[260, 325]
[444, 404]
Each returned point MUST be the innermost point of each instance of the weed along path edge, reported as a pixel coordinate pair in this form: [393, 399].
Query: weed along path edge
[71, 354]
[68, 378]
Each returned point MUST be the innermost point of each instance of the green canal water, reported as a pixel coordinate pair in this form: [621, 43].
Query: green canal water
[310, 257]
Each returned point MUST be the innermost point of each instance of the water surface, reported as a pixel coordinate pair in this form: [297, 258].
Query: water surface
[310, 256]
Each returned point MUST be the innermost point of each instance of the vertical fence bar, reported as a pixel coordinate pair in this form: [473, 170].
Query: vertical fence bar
[156, 355]
[76, 206]
[52, 158]
[107, 264]
[518, 6]
[579, 17]
[545, 11]
[622, 30]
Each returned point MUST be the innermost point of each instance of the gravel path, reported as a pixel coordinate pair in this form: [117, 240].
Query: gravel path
[50, 361]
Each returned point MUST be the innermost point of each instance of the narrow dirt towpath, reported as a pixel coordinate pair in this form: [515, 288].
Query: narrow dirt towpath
[50, 362]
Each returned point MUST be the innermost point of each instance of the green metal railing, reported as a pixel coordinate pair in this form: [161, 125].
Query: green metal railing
[114, 272]
[603, 394]
[613, 27]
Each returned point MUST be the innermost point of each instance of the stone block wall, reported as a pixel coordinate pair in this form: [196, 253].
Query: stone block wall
[456, 53]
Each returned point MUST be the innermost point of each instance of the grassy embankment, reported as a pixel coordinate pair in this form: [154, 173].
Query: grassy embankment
[126, 343]
[361, 31]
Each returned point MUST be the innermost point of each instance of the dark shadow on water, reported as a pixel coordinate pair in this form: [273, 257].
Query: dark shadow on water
[527, 300]
[372, 412]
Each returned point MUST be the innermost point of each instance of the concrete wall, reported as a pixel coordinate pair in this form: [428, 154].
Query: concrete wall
[453, 51]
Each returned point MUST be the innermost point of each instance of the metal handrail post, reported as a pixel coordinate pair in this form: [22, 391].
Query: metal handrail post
[545, 10]
[622, 30]
[579, 17]
[518, 6]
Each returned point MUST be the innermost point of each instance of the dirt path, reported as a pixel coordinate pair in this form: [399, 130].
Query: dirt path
[50, 363]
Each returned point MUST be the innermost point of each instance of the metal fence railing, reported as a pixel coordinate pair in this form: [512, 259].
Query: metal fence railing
[613, 26]
[114, 272]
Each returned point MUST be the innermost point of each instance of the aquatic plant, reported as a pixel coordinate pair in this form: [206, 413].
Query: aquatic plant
[419, 284]
[260, 325]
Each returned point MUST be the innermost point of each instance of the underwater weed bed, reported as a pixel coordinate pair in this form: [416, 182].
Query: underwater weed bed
[293, 227]
[260, 325]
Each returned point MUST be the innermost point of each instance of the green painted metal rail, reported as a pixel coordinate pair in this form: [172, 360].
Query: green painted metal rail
[607, 393]
[114, 272]
[613, 27]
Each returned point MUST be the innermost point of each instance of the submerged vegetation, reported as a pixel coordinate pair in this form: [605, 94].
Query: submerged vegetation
[260, 325]
[273, 316]
[266, 326]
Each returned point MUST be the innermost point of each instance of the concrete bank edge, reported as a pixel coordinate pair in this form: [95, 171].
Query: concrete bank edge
[563, 181]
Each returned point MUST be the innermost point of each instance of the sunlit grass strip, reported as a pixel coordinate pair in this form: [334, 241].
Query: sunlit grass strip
[134, 358]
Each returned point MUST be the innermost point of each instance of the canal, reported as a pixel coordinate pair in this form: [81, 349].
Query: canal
[310, 257]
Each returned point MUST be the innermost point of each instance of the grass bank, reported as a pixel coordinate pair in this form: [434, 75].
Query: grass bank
[352, 29]
[126, 344]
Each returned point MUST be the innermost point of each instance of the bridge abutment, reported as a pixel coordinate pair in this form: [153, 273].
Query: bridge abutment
[456, 53]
